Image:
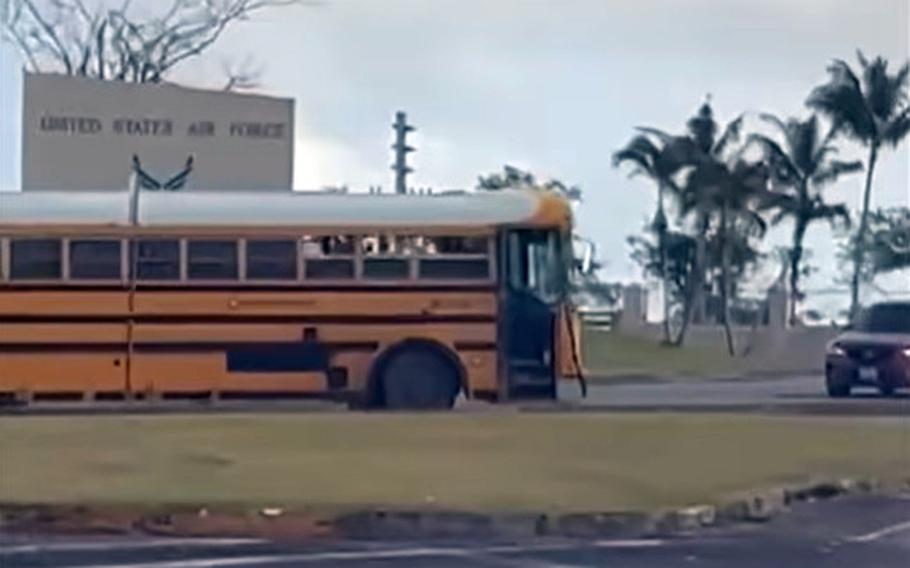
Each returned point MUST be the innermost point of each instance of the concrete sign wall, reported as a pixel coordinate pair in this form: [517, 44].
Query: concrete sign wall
[80, 133]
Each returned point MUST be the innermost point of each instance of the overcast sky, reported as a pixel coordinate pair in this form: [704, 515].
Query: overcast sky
[551, 85]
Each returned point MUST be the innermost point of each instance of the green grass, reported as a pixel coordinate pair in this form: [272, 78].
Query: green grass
[501, 461]
[611, 353]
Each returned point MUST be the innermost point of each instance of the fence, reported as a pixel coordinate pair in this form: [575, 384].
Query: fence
[599, 318]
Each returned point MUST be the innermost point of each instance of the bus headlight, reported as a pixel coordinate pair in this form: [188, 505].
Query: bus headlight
[907, 352]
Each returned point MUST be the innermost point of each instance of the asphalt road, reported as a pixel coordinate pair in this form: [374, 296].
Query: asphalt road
[800, 394]
[867, 531]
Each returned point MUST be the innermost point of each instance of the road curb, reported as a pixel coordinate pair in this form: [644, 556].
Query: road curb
[278, 524]
[754, 507]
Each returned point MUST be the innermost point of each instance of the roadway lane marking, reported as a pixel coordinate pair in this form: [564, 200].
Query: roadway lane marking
[876, 535]
[632, 543]
[300, 558]
[125, 545]
[399, 553]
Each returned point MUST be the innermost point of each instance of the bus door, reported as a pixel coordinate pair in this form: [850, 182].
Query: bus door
[530, 291]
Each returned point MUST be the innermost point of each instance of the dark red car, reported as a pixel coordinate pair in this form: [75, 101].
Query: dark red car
[874, 351]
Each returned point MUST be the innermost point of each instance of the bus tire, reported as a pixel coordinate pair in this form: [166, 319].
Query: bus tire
[419, 376]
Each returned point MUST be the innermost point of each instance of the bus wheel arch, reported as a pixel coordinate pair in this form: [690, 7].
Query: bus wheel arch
[389, 386]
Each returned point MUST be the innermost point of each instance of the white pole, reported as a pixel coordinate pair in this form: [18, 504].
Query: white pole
[134, 199]
[132, 259]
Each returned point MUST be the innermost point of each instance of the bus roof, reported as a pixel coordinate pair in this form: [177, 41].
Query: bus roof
[291, 209]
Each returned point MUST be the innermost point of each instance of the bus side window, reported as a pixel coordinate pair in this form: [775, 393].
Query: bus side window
[311, 247]
[454, 269]
[36, 259]
[157, 259]
[95, 259]
[387, 257]
[212, 260]
[328, 257]
[454, 258]
[271, 260]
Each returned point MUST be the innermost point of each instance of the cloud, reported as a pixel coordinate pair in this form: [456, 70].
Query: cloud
[321, 162]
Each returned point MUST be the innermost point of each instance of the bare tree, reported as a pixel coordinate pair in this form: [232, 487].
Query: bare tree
[241, 75]
[114, 42]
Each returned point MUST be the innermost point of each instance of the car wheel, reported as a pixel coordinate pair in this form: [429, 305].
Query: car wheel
[419, 377]
[837, 387]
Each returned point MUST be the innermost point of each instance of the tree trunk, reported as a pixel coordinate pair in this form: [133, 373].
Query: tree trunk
[796, 255]
[662, 250]
[859, 251]
[694, 294]
[666, 289]
[697, 310]
[686, 318]
[725, 281]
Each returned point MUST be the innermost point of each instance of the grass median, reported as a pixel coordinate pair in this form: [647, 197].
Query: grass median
[610, 354]
[484, 462]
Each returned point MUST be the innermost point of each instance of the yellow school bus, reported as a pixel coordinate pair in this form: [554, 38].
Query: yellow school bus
[386, 301]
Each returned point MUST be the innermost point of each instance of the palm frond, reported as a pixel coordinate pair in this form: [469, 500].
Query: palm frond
[750, 178]
[901, 79]
[730, 135]
[780, 215]
[656, 132]
[803, 140]
[841, 99]
[833, 169]
[897, 128]
[774, 120]
[779, 200]
[671, 185]
[883, 93]
[706, 184]
[677, 153]
[755, 223]
[825, 147]
[782, 167]
[783, 204]
[831, 213]
[640, 146]
[639, 152]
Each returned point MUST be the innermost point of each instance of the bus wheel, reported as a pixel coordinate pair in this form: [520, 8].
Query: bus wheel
[419, 377]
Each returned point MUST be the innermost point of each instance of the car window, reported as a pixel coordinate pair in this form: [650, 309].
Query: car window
[885, 318]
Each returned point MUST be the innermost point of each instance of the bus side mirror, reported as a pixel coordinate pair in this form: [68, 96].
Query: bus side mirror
[585, 260]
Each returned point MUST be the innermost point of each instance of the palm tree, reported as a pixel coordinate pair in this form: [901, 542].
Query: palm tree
[801, 167]
[709, 149]
[873, 111]
[659, 162]
[887, 243]
[700, 146]
[730, 191]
